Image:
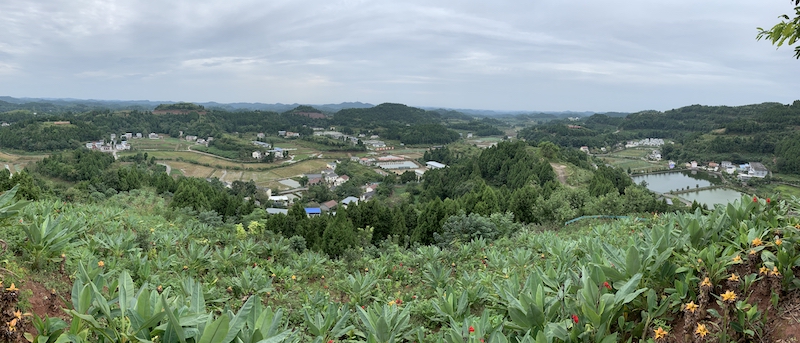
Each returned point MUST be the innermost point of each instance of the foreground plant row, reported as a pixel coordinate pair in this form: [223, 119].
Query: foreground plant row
[139, 276]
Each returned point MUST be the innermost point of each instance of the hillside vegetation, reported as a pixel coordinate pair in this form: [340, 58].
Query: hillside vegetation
[143, 272]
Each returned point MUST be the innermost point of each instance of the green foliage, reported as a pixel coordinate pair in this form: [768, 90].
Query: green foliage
[464, 228]
[787, 31]
[339, 236]
[39, 135]
[48, 237]
[180, 106]
[602, 282]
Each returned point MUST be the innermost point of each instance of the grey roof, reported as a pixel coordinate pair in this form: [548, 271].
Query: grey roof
[277, 211]
[758, 166]
[349, 200]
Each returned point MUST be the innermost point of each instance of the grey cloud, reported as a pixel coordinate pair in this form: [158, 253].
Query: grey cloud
[545, 54]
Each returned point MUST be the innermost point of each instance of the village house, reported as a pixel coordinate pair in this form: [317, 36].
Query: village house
[757, 170]
[279, 200]
[152, 135]
[374, 144]
[397, 165]
[341, 180]
[260, 135]
[191, 138]
[435, 165]
[138, 135]
[277, 211]
[329, 176]
[313, 211]
[257, 155]
[349, 200]
[585, 149]
[367, 196]
[328, 206]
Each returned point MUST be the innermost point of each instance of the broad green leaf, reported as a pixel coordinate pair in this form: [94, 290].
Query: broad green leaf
[125, 291]
[216, 332]
[173, 323]
[239, 320]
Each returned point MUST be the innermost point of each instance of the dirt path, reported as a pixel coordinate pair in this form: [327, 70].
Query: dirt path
[561, 172]
[169, 169]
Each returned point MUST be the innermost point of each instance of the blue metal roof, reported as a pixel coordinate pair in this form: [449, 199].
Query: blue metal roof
[313, 210]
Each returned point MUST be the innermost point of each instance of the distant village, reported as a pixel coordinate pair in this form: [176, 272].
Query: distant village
[382, 164]
[329, 178]
[743, 172]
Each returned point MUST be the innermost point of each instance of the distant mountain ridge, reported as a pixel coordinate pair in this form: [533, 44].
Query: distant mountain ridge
[149, 105]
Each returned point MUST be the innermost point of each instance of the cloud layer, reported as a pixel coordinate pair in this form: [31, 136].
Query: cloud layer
[616, 55]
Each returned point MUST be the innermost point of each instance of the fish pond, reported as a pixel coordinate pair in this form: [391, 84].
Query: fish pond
[688, 180]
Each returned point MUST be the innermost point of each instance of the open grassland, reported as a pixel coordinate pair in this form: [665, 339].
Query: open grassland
[305, 167]
[16, 163]
[577, 176]
[633, 164]
[633, 153]
[189, 169]
[159, 144]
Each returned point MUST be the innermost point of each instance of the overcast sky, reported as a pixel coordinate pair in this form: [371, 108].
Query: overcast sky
[613, 55]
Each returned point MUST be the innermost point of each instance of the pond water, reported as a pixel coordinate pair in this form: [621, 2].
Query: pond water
[665, 182]
[712, 197]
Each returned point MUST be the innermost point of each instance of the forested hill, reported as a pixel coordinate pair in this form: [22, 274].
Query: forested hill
[742, 119]
[389, 114]
[36, 133]
[766, 133]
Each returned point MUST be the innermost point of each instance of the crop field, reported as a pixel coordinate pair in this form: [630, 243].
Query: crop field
[159, 144]
[190, 169]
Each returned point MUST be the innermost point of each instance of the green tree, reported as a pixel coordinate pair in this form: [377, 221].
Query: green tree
[787, 31]
[548, 149]
[339, 236]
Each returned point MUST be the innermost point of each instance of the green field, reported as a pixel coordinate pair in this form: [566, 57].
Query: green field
[159, 144]
[787, 191]
[633, 164]
[632, 153]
